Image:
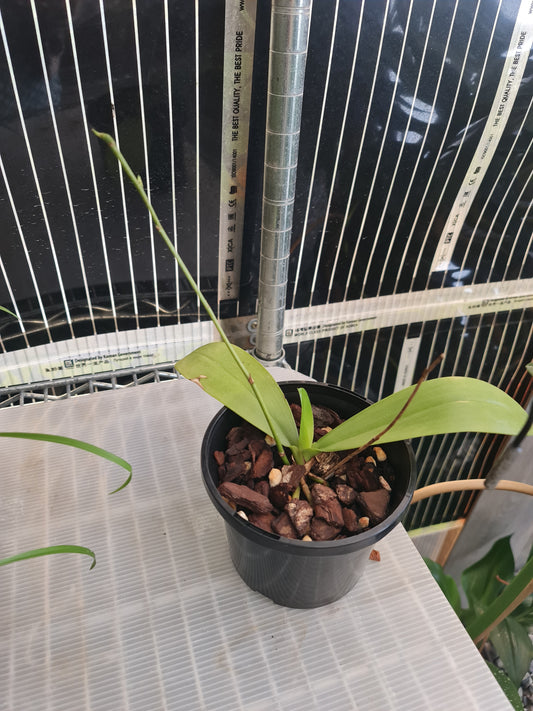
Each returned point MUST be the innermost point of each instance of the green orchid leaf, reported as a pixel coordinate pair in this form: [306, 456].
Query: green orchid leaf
[214, 369]
[78, 444]
[447, 584]
[307, 421]
[507, 686]
[50, 550]
[440, 406]
[514, 647]
[468, 617]
[7, 311]
[481, 582]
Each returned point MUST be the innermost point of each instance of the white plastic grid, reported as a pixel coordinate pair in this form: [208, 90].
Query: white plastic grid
[164, 621]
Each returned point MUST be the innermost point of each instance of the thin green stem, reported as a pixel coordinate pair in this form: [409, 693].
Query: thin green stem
[137, 182]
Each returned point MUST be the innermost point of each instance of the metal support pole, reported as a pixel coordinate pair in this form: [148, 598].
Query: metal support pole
[289, 37]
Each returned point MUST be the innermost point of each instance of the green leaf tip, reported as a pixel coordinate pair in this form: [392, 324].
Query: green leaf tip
[105, 137]
[7, 311]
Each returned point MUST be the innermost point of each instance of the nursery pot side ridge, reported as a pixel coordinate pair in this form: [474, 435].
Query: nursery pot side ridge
[294, 573]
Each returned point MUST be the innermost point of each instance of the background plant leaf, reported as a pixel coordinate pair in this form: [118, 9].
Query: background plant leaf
[216, 371]
[480, 580]
[50, 550]
[524, 612]
[78, 444]
[506, 604]
[507, 686]
[514, 647]
[447, 584]
[440, 406]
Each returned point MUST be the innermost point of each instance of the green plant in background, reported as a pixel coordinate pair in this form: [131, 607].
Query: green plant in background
[241, 383]
[499, 609]
[78, 444]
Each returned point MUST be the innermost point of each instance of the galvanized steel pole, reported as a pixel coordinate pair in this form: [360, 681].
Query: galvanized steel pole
[289, 37]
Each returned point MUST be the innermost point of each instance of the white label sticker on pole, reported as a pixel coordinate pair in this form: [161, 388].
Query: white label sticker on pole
[239, 36]
[407, 364]
[512, 73]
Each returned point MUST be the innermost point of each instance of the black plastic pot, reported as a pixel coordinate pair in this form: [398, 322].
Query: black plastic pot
[298, 573]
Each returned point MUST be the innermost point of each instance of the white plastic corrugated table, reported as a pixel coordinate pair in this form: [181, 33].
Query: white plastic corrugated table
[163, 621]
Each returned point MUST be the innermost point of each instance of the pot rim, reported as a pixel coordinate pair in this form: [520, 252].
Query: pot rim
[357, 541]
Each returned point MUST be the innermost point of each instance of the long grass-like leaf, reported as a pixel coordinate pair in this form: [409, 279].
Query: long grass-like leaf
[78, 444]
[50, 550]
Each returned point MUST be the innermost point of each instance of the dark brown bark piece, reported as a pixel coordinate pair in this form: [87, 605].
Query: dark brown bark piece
[330, 512]
[263, 521]
[262, 487]
[322, 531]
[345, 494]
[279, 496]
[296, 412]
[237, 448]
[300, 512]
[324, 417]
[352, 469]
[282, 525]
[322, 494]
[242, 434]
[262, 458]
[244, 496]
[237, 467]
[375, 504]
[327, 505]
[291, 475]
[220, 458]
[351, 523]
[364, 478]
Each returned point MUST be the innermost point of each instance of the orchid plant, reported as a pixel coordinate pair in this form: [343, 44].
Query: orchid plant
[237, 380]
